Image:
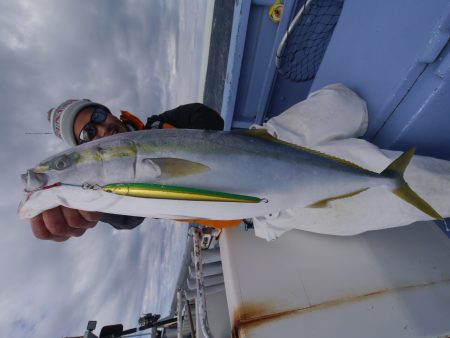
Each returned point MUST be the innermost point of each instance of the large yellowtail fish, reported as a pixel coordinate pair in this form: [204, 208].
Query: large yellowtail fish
[195, 174]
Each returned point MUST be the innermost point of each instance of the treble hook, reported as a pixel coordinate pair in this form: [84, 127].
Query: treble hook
[88, 186]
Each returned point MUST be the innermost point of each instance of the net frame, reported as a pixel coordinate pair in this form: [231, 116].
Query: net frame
[303, 46]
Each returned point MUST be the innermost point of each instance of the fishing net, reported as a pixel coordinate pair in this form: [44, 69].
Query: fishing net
[303, 46]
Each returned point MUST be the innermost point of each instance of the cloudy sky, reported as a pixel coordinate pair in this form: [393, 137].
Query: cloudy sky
[143, 56]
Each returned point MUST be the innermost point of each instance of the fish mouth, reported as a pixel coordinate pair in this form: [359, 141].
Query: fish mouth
[34, 181]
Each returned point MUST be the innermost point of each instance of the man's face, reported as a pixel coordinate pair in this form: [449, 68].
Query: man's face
[112, 125]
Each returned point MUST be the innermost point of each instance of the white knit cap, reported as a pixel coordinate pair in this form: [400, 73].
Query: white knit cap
[63, 117]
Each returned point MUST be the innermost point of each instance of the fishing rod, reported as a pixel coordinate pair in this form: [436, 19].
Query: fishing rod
[36, 133]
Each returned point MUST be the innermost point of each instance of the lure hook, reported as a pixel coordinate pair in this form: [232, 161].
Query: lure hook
[88, 186]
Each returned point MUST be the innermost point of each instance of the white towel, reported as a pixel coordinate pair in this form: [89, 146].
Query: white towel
[330, 120]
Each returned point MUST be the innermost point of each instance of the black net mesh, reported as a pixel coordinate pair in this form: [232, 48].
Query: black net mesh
[301, 51]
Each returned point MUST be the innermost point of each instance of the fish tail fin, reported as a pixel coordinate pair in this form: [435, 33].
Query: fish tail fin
[398, 166]
[396, 170]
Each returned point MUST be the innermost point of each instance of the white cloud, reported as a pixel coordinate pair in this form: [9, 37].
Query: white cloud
[110, 277]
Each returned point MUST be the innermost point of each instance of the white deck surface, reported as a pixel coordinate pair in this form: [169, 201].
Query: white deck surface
[387, 283]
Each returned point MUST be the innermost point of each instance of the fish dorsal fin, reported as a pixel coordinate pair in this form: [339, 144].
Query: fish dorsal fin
[263, 134]
[166, 167]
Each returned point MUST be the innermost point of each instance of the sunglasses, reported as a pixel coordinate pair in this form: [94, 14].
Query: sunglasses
[89, 131]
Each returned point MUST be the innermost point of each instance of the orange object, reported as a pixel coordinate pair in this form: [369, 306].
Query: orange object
[167, 126]
[219, 224]
[126, 116]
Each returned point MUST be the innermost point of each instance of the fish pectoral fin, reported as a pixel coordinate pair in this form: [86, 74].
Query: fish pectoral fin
[152, 168]
[324, 203]
[166, 167]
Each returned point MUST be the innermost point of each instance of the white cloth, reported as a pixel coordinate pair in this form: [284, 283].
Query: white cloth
[330, 120]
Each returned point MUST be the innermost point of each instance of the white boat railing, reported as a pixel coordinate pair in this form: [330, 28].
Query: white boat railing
[201, 300]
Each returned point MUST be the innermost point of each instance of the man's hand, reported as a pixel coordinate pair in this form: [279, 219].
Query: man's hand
[61, 223]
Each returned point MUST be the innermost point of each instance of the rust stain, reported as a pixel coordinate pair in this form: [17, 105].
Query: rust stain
[251, 315]
[249, 311]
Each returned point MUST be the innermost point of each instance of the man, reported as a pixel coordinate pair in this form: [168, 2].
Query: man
[80, 121]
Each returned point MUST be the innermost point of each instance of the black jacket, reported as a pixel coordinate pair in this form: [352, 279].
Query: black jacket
[189, 116]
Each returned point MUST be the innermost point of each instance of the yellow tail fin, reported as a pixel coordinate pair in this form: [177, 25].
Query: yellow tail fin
[396, 170]
[398, 166]
[409, 196]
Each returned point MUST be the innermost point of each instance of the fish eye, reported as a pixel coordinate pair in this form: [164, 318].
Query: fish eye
[64, 161]
[61, 163]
